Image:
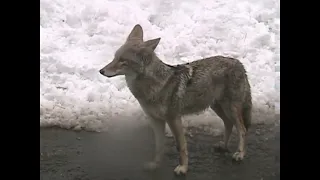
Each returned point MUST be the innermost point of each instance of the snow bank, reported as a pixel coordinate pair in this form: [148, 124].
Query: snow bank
[78, 37]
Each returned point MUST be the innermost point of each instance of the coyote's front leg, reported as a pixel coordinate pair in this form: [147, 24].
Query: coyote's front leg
[177, 130]
[158, 127]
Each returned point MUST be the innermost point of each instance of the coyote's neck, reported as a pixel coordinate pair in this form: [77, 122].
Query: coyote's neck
[158, 71]
[149, 84]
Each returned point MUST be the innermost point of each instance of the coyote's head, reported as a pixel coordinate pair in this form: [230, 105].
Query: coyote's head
[133, 56]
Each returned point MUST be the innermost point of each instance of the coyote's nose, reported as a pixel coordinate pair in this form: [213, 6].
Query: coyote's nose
[101, 71]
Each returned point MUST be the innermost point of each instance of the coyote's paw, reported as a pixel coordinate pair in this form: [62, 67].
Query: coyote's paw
[238, 156]
[181, 170]
[220, 147]
[150, 166]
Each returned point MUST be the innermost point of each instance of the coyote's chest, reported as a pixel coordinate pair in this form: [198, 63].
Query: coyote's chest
[148, 97]
[150, 105]
[142, 91]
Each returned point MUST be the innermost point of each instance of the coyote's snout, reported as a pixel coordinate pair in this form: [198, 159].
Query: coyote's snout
[114, 68]
[166, 93]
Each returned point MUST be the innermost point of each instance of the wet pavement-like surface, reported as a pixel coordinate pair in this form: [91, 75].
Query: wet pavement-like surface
[120, 154]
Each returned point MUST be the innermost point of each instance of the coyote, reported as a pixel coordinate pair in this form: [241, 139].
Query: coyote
[168, 92]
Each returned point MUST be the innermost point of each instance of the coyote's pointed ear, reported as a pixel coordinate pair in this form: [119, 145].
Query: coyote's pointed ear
[153, 43]
[136, 34]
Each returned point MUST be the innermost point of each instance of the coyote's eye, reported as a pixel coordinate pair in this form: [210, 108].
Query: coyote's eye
[123, 61]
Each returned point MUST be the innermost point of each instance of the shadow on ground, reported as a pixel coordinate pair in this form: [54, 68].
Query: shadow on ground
[120, 154]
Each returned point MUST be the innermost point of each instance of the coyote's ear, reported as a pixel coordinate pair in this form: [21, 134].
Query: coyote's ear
[153, 43]
[136, 34]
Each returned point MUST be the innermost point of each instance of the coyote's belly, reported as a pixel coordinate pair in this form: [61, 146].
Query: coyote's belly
[196, 104]
[200, 95]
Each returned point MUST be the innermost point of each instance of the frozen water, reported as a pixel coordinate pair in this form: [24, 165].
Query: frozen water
[79, 37]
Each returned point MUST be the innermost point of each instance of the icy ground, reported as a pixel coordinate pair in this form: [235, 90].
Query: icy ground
[78, 37]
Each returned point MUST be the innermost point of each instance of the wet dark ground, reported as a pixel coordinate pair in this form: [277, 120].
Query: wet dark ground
[120, 154]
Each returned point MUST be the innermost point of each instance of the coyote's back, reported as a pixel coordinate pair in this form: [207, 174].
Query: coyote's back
[220, 79]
